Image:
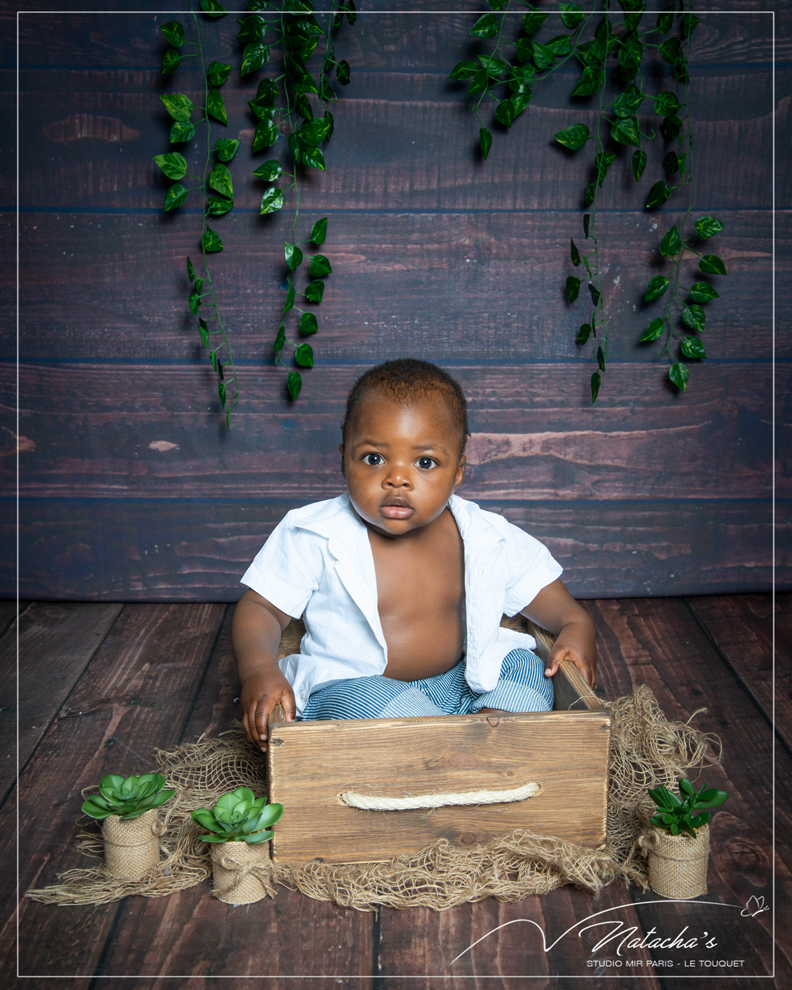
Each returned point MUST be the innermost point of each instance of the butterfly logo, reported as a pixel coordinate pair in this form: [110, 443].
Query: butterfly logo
[753, 906]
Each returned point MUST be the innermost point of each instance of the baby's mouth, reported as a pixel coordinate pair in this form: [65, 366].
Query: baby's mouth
[396, 508]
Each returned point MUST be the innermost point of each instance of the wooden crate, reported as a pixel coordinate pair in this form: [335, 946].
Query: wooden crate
[311, 763]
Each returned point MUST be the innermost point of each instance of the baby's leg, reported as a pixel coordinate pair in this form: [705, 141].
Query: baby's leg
[369, 697]
[522, 686]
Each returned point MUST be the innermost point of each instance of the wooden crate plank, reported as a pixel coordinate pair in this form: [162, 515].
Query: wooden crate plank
[55, 645]
[311, 764]
[183, 550]
[396, 277]
[8, 615]
[135, 694]
[535, 450]
[741, 629]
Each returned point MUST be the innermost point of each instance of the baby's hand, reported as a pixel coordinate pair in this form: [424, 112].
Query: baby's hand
[578, 646]
[261, 692]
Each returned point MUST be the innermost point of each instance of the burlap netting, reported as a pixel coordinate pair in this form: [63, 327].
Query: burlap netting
[646, 750]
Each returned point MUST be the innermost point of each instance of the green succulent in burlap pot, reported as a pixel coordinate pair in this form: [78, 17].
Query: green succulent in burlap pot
[239, 826]
[131, 827]
[678, 845]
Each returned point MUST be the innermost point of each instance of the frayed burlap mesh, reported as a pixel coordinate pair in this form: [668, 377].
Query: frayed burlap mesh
[646, 750]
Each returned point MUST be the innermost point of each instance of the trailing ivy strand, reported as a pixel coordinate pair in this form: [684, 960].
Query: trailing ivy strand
[283, 104]
[617, 51]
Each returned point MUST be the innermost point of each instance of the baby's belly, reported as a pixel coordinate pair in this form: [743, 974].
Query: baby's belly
[422, 647]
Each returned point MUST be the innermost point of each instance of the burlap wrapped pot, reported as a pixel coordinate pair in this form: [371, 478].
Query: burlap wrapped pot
[132, 846]
[677, 864]
[240, 871]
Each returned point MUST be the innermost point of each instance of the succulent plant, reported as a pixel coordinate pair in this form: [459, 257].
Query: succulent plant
[128, 797]
[677, 814]
[238, 816]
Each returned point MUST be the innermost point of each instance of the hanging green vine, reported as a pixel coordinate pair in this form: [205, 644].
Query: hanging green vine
[281, 105]
[508, 81]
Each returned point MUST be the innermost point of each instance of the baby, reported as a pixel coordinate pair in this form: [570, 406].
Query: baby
[401, 583]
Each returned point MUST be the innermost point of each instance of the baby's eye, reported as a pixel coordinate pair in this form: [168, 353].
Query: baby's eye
[373, 459]
[426, 462]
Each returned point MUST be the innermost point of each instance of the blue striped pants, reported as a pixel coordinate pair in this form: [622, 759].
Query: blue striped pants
[522, 687]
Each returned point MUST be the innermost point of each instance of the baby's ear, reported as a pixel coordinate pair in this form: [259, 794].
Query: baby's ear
[460, 472]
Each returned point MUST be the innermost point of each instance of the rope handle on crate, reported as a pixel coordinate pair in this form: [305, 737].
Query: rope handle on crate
[367, 802]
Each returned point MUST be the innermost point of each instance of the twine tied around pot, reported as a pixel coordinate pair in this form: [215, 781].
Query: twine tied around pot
[132, 846]
[241, 872]
[677, 864]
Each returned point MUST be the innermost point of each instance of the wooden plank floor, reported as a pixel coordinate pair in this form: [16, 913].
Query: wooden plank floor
[101, 684]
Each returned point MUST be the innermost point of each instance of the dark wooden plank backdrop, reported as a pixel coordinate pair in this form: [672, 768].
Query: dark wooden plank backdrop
[435, 254]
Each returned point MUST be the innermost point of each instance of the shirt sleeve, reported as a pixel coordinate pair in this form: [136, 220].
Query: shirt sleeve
[529, 567]
[287, 569]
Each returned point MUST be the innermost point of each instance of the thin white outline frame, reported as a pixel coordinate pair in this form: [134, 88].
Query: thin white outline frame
[714, 974]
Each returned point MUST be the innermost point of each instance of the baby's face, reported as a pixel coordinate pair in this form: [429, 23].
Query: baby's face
[401, 463]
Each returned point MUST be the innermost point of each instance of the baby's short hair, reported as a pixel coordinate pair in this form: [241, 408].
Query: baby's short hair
[408, 380]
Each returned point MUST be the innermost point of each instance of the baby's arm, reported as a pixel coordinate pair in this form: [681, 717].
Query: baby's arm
[557, 611]
[256, 633]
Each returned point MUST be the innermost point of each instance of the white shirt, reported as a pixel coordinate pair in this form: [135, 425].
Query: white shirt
[318, 564]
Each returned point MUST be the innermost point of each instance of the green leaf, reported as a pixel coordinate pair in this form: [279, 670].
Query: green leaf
[671, 128]
[572, 288]
[293, 384]
[574, 253]
[213, 8]
[638, 164]
[494, 67]
[343, 73]
[679, 375]
[712, 265]
[630, 53]
[293, 255]
[226, 148]
[693, 348]
[524, 50]
[671, 162]
[689, 24]
[210, 241]
[666, 104]
[708, 226]
[485, 140]
[543, 57]
[254, 56]
[319, 232]
[573, 137]
[178, 105]
[220, 180]
[572, 16]
[194, 302]
[320, 266]
[665, 19]
[313, 132]
[303, 355]
[313, 293]
[628, 103]
[215, 106]
[505, 113]
[181, 131]
[584, 334]
[170, 61]
[701, 819]
[289, 304]
[497, 4]
[658, 195]
[595, 295]
[202, 329]
[222, 392]
[588, 194]
[671, 51]
[671, 243]
[478, 82]
[533, 21]
[312, 157]
[303, 106]
[463, 70]
[251, 29]
[216, 207]
[521, 79]
[601, 359]
[190, 271]
[591, 53]
[261, 110]
[596, 381]
[266, 135]
[308, 322]
[625, 131]
[712, 798]
[175, 197]
[485, 27]
[267, 93]
[560, 45]
[174, 32]
[272, 200]
[602, 162]
[217, 73]
[591, 82]
[695, 317]
[656, 287]
[654, 331]
[280, 340]
[295, 147]
[172, 164]
[702, 292]
[586, 223]
[270, 171]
